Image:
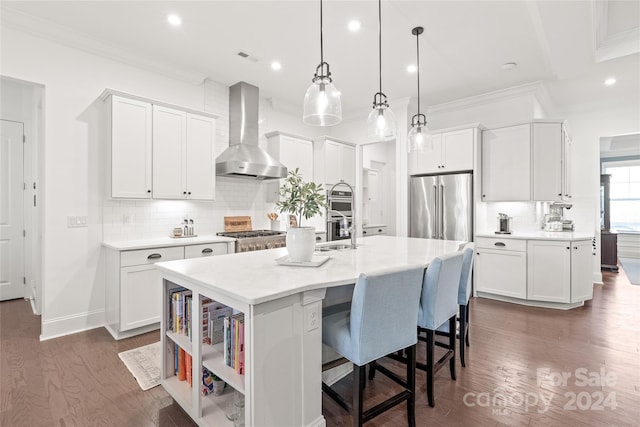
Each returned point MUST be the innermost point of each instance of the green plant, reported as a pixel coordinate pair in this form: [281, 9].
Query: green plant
[303, 199]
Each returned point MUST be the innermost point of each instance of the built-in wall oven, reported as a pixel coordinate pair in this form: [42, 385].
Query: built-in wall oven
[339, 206]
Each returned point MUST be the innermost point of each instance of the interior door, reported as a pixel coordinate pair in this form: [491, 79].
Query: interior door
[11, 210]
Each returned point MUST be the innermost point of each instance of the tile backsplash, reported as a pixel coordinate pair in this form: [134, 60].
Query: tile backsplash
[139, 219]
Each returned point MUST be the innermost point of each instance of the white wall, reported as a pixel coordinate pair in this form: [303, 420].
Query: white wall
[73, 273]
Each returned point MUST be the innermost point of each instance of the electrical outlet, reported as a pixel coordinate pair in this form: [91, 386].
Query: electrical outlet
[312, 315]
[76, 221]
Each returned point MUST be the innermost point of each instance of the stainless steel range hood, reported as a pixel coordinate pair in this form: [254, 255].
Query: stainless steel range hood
[244, 158]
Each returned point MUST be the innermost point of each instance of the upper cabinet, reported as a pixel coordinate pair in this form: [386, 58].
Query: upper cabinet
[448, 151]
[129, 129]
[183, 157]
[526, 162]
[506, 163]
[158, 150]
[333, 161]
[293, 152]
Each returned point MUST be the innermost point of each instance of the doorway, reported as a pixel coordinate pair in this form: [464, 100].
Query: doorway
[22, 129]
[378, 184]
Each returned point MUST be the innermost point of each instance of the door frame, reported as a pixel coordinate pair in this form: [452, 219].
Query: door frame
[31, 115]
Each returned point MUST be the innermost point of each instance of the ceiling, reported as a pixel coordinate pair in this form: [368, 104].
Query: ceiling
[570, 45]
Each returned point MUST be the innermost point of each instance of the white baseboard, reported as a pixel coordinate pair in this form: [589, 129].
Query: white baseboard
[318, 422]
[66, 325]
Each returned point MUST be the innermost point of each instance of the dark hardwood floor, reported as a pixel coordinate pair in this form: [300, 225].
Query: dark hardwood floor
[514, 365]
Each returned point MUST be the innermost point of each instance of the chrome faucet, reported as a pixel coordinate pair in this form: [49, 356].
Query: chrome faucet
[345, 221]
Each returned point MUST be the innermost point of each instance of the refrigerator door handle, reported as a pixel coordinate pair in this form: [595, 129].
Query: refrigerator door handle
[441, 213]
[436, 214]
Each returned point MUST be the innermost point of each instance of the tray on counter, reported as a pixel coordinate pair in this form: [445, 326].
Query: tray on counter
[316, 261]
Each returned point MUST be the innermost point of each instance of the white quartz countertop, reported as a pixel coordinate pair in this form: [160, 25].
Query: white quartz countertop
[541, 235]
[256, 277]
[161, 242]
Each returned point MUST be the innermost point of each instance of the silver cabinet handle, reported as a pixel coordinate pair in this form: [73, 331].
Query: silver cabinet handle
[499, 244]
[207, 250]
[434, 235]
[154, 256]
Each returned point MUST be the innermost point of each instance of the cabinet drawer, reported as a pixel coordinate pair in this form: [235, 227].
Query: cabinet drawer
[149, 256]
[372, 231]
[209, 249]
[503, 244]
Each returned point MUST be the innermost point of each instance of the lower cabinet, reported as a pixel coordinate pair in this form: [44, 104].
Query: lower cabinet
[553, 273]
[372, 231]
[133, 297]
[501, 267]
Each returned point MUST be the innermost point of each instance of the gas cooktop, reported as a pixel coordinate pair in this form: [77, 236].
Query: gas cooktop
[250, 234]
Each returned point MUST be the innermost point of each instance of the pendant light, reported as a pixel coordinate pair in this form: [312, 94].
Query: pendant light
[419, 134]
[322, 105]
[381, 122]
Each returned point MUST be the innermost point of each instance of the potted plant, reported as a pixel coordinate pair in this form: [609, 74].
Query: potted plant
[302, 199]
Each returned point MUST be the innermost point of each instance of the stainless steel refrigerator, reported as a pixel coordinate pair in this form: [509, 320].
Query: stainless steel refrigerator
[441, 207]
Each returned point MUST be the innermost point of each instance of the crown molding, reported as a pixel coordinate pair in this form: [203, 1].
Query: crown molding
[609, 46]
[63, 35]
[533, 88]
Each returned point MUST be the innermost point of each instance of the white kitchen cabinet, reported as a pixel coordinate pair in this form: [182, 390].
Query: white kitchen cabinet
[183, 155]
[293, 152]
[374, 230]
[506, 163]
[551, 162]
[130, 137]
[501, 267]
[448, 152]
[549, 271]
[581, 271]
[133, 298]
[333, 161]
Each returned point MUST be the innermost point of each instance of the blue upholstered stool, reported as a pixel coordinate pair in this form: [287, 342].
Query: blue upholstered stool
[464, 293]
[381, 319]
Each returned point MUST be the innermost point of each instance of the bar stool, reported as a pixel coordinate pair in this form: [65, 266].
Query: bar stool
[464, 293]
[438, 305]
[381, 319]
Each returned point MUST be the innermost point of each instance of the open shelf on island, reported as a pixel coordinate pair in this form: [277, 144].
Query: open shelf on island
[213, 360]
[214, 408]
[180, 391]
[182, 340]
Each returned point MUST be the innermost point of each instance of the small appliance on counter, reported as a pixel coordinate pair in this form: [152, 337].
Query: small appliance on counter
[504, 224]
[554, 220]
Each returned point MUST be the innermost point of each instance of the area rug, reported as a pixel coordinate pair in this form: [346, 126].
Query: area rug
[144, 364]
[631, 267]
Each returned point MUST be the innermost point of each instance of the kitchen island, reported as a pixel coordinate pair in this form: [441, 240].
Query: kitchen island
[282, 307]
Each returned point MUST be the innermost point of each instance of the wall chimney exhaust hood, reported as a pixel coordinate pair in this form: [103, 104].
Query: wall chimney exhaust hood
[244, 158]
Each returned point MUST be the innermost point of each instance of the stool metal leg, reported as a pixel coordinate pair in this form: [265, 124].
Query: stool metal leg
[463, 333]
[359, 374]
[452, 346]
[430, 366]
[411, 385]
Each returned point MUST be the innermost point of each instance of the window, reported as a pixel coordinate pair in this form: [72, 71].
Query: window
[624, 194]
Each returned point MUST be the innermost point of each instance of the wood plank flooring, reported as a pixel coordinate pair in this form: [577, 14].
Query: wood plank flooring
[516, 354]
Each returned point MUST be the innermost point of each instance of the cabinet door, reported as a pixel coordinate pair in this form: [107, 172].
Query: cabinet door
[566, 167]
[297, 153]
[169, 148]
[581, 271]
[457, 151]
[200, 165]
[130, 148]
[348, 164]
[209, 249]
[506, 164]
[333, 162]
[430, 159]
[547, 161]
[549, 271]
[501, 272]
[140, 296]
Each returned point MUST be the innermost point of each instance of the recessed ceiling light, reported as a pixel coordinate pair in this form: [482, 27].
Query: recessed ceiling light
[509, 66]
[411, 68]
[610, 81]
[174, 20]
[354, 25]
[275, 65]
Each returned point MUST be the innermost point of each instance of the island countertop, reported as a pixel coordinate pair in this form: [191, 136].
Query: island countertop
[256, 277]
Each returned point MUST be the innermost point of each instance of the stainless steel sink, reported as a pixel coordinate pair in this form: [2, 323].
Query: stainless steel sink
[330, 247]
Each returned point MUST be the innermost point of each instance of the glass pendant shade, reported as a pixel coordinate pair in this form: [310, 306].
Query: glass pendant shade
[322, 106]
[419, 139]
[381, 122]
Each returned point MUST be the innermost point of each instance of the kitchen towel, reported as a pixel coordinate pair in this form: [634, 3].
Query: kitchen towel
[631, 267]
[144, 364]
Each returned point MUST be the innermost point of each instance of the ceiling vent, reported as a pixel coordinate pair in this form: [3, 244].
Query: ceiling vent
[248, 56]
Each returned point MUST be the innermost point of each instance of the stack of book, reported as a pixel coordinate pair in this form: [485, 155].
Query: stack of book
[179, 319]
[182, 365]
[234, 342]
[213, 315]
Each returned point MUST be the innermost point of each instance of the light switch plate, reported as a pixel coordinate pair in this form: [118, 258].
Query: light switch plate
[76, 221]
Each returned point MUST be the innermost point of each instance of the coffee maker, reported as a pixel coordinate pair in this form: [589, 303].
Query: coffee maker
[504, 224]
[554, 220]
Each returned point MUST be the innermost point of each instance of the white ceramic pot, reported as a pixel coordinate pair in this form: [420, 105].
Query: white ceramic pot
[301, 242]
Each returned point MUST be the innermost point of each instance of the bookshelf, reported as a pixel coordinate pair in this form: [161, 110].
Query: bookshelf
[186, 326]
